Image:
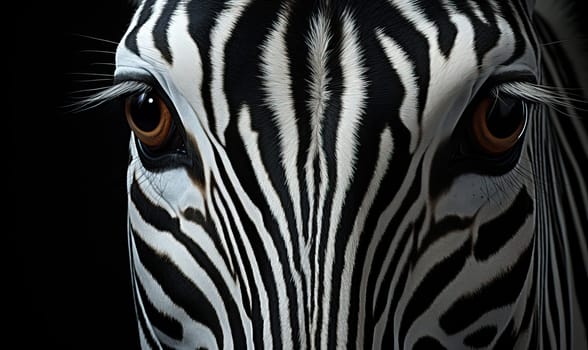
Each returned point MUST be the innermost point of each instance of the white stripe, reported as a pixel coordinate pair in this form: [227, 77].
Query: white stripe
[145, 41]
[318, 42]
[167, 246]
[222, 217]
[477, 12]
[195, 334]
[142, 338]
[185, 75]
[250, 139]
[385, 153]
[277, 83]
[405, 70]
[256, 218]
[220, 34]
[318, 56]
[352, 108]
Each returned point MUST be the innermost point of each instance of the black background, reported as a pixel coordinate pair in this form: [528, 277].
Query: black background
[64, 248]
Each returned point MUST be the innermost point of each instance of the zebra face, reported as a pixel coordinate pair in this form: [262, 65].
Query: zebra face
[311, 174]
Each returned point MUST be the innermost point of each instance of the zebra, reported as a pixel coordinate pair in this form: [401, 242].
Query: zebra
[395, 174]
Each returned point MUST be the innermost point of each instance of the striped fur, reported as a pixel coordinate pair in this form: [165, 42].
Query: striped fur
[320, 205]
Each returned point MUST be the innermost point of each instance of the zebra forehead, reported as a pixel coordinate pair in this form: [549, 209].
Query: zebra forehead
[399, 17]
[312, 32]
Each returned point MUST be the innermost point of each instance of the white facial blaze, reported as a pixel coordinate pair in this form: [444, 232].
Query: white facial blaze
[318, 42]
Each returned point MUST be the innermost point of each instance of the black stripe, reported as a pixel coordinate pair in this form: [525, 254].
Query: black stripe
[534, 338]
[529, 30]
[131, 39]
[434, 282]
[553, 296]
[244, 85]
[510, 14]
[440, 229]
[161, 27]
[139, 311]
[194, 215]
[495, 233]
[428, 343]
[436, 13]
[563, 164]
[508, 338]
[531, 304]
[485, 35]
[481, 337]
[500, 291]
[414, 44]
[390, 336]
[203, 16]
[385, 91]
[393, 180]
[264, 262]
[386, 285]
[179, 289]
[559, 266]
[227, 233]
[296, 35]
[163, 322]
[162, 221]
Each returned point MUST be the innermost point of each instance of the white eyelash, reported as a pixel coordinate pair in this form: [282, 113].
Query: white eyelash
[108, 94]
[553, 97]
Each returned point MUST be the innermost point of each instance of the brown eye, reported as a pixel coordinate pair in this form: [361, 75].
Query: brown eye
[497, 124]
[149, 118]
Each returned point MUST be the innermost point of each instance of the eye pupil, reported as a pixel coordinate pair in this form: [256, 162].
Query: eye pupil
[497, 124]
[145, 111]
[504, 117]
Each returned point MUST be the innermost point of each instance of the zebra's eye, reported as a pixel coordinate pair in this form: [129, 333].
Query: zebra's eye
[149, 118]
[497, 124]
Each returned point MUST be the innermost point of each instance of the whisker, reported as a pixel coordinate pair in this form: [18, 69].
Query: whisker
[98, 51]
[92, 80]
[95, 38]
[103, 64]
[563, 41]
[90, 74]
